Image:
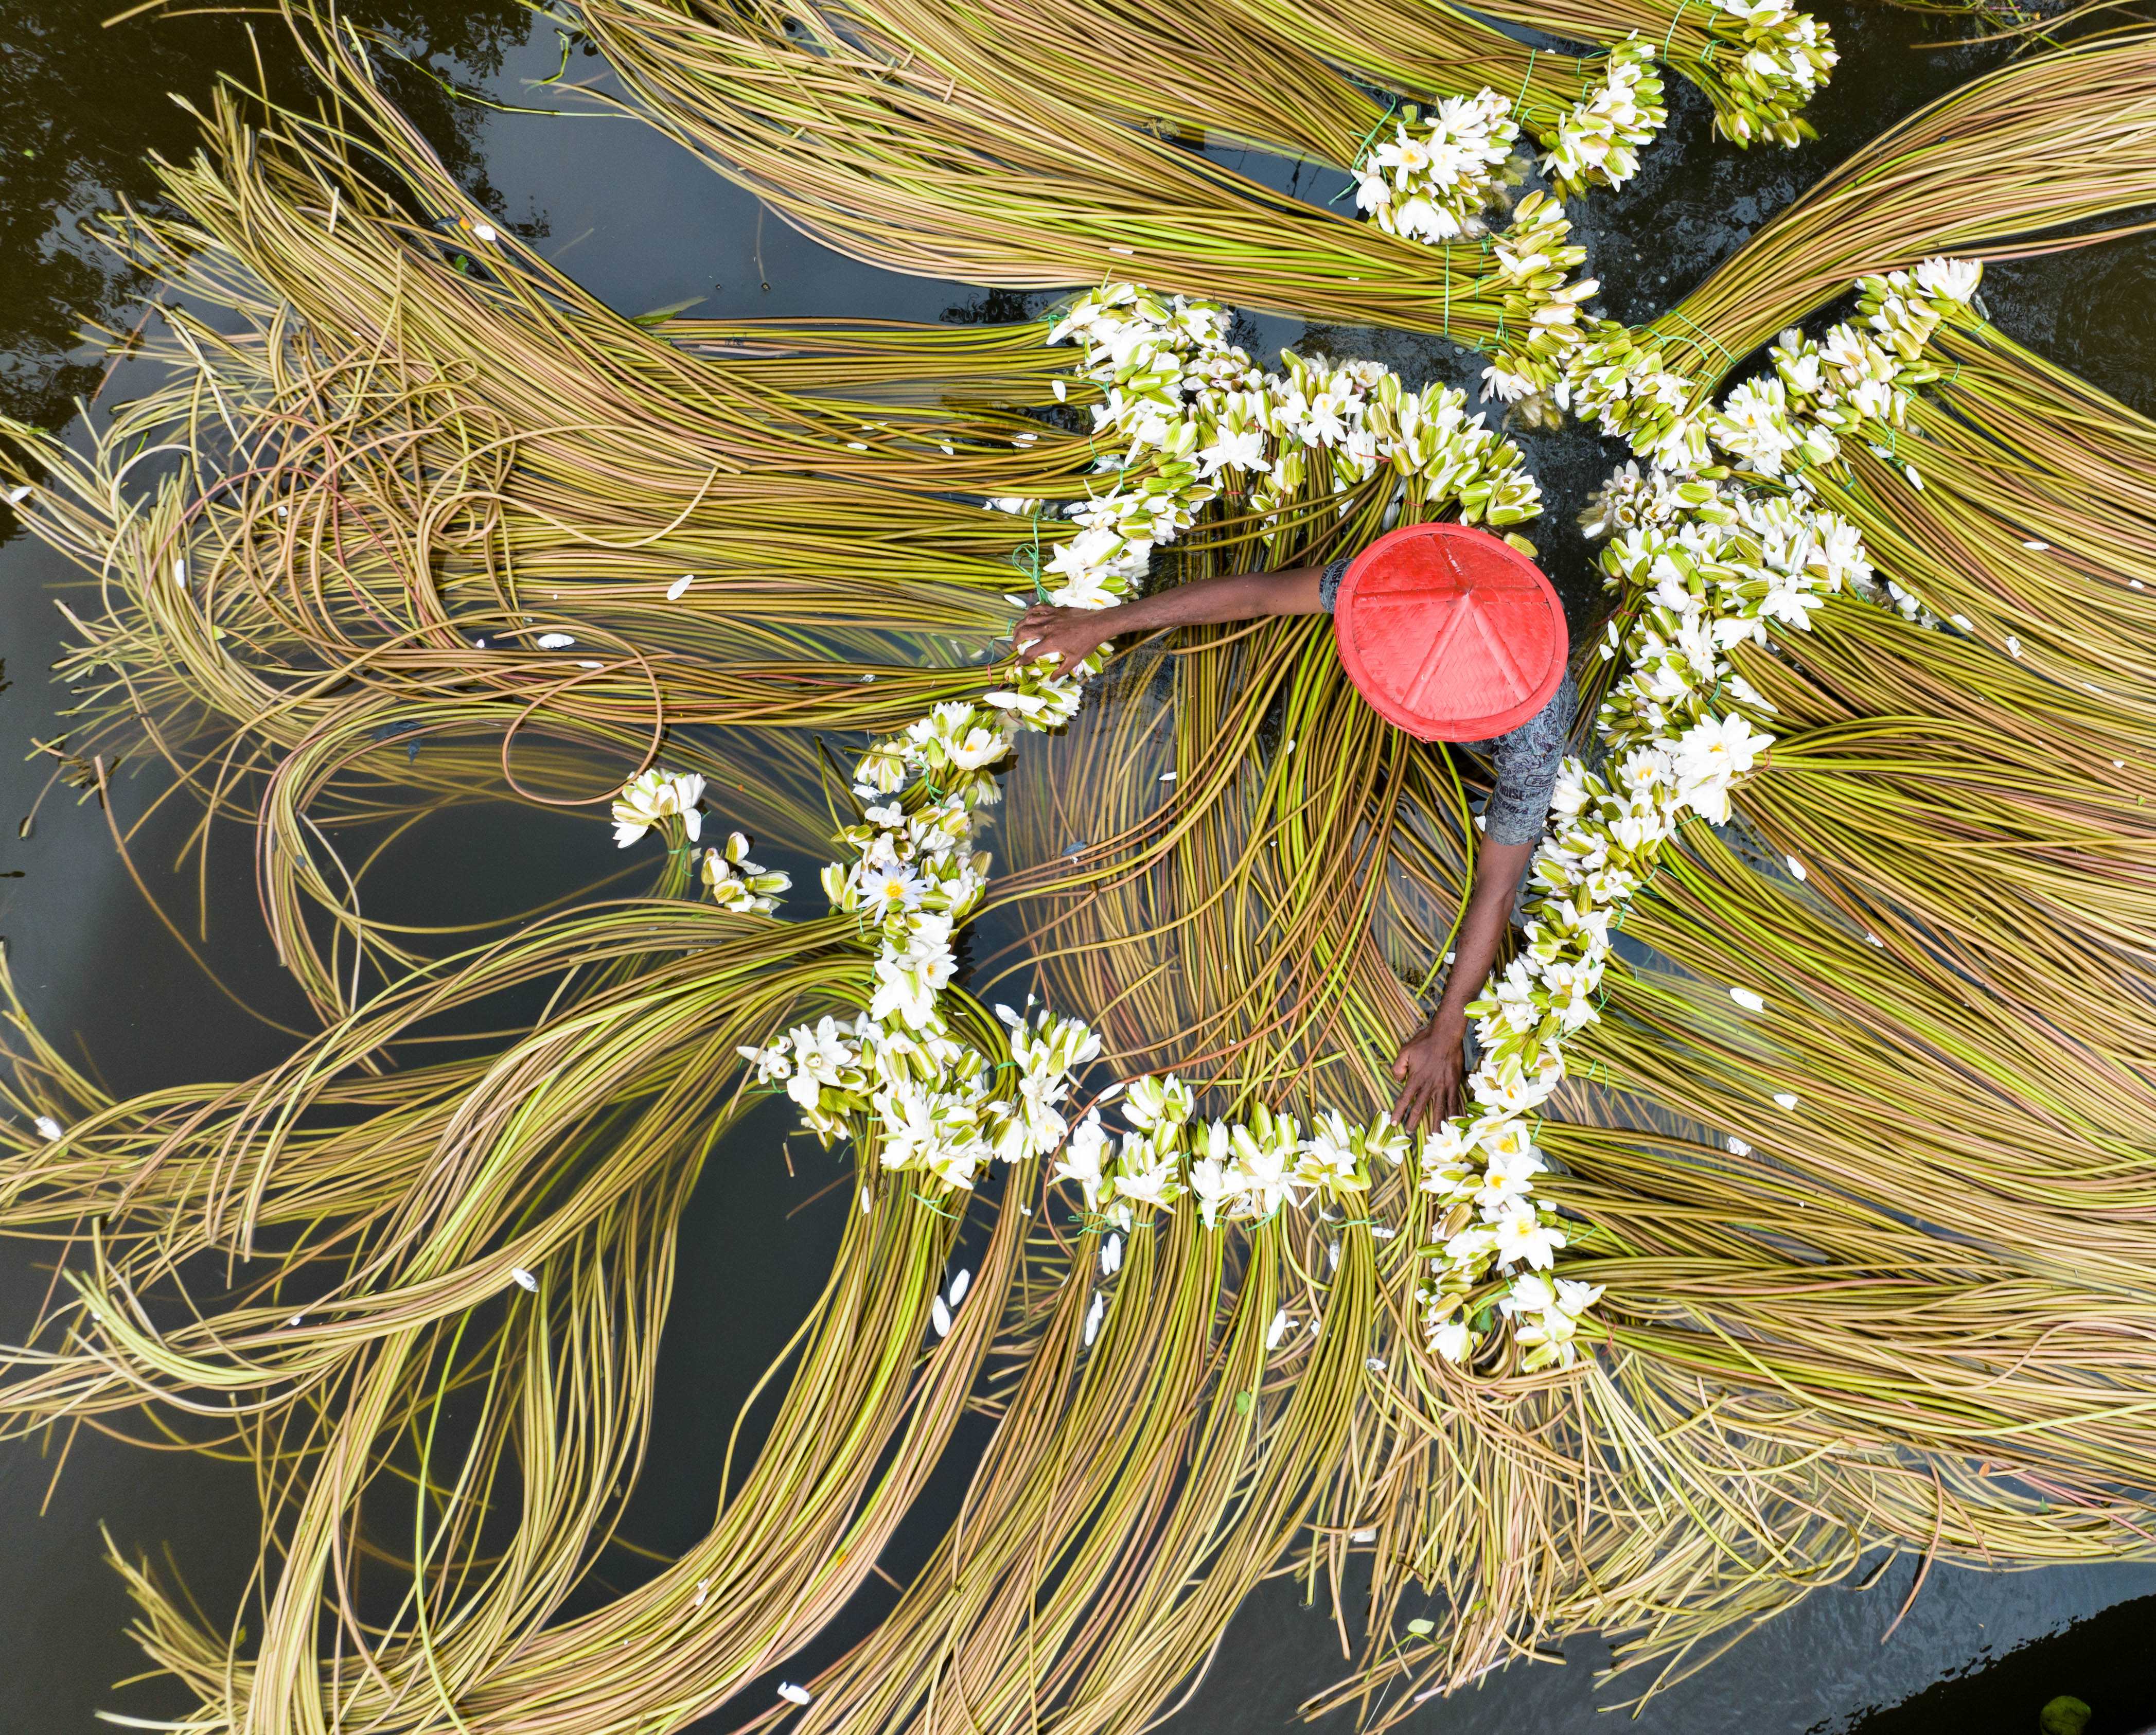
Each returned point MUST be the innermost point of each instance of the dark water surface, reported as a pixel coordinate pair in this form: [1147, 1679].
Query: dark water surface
[647, 227]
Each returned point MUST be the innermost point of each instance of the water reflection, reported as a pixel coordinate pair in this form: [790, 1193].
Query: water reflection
[86, 106]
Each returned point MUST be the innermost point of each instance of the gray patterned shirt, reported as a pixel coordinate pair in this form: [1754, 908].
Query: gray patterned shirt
[1526, 759]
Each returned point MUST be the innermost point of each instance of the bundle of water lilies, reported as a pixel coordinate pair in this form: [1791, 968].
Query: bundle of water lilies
[1031, 145]
[1655, 1337]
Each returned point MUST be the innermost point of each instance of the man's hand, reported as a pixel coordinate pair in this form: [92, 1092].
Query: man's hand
[1430, 1066]
[1076, 633]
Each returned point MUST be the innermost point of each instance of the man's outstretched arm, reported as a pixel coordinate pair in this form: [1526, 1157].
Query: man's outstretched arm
[1078, 632]
[1433, 1061]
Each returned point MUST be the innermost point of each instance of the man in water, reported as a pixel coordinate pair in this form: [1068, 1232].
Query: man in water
[1432, 1062]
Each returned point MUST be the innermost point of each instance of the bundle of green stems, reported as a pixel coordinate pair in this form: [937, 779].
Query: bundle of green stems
[895, 136]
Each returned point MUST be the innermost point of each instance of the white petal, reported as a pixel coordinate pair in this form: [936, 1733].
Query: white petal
[525, 1280]
[1278, 1329]
[959, 1285]
[939, 1316]
[1786, 1099]
[675, 590]
[1796, 867]
[16, 497]
[49, 1129]
[794, 1695]
[1738, 1147]
[1747, 999]
[868, 1201]
[554, 641]
[484, 231]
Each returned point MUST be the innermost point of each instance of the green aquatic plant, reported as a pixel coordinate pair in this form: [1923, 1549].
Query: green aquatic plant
[874, 131]
[1904, 1307]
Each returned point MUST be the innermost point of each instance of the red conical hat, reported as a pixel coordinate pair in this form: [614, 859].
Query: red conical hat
[1451, 633]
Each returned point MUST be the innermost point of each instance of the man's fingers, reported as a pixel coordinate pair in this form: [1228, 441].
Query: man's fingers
[1400, 1070]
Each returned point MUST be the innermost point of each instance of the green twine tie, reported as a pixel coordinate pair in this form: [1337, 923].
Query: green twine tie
[1728, 361]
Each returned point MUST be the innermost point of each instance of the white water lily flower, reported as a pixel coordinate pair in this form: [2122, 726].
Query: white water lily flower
[1955, 280]
[653, 795]
[1448, 1144]
[1082, 1157]
[1146, 1176]
[1214, 1184]
[1453, 1339]
[1160, 1102]
[908, 989]
[1471, 1246]
[1267, 1163]
[1521, 1239]
[1530, 1293]
[1328, 1159]
[892, 888]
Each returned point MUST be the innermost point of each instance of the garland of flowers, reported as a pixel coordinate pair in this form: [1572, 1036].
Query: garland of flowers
[1621, 380]
[1197, 416]
[1714, 559]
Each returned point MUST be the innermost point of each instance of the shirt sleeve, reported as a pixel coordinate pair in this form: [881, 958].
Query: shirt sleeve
[1328, 582]
[1527, 761]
